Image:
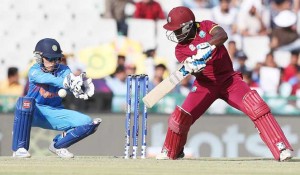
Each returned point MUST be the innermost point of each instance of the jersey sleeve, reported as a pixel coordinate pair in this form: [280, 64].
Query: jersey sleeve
[208, 25]
[65, 71]
[36, 75]
[180, 56]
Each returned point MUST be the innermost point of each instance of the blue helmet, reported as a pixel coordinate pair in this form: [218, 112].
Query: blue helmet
[48, 48]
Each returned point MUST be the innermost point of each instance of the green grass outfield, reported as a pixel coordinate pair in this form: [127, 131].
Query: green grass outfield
[82, 165]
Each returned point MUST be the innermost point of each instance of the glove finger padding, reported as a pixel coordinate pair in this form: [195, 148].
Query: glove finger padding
[189, 65]
[194, 65]
[73, 83]
[201, 64]
[80, 86]
[204, 51]
[89, 87]
[77, 88]
[67, 81]
[83, 96]
[83, 75]
[76, 94]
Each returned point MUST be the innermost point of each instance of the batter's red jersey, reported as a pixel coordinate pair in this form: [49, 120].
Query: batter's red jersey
[219, 68]
[219, 81]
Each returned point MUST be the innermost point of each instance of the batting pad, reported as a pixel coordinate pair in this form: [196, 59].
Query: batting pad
[179, 125]
[269, 129]
[22, 123]
[272, 135]
[76, 134]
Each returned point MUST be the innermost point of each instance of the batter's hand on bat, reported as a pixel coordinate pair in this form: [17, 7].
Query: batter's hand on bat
[204, 51]
[193, 65]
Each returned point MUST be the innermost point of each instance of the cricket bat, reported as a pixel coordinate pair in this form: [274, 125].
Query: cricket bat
[163, 88]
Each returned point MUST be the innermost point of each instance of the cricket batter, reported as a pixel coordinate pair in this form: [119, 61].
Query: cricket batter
[42, 107]
[215, 78]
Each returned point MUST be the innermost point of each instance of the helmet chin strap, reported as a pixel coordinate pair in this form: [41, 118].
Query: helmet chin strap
[56, 67]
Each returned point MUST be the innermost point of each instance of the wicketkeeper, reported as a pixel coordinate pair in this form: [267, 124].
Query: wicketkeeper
[42, 107]
[215, 79]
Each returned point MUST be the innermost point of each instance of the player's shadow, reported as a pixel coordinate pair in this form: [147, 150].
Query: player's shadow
[295, 159]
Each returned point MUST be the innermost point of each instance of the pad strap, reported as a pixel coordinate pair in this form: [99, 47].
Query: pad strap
[272, 135]
[22, 123]
[255, 106]
[178, 123]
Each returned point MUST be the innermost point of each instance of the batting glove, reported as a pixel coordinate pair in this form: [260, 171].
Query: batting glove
[194, 65]
[204, 51]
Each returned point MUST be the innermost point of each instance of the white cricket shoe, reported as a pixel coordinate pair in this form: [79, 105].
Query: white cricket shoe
[285, 155]
[21, 153]
[97, 120]
[163, 155]
[62, 152]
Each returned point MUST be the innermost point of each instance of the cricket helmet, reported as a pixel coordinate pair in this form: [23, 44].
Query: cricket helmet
[49, 49]
[180, 21]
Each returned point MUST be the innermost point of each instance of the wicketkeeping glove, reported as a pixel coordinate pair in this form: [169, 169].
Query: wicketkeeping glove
[80, 86]
[88, 87]
[74, 84]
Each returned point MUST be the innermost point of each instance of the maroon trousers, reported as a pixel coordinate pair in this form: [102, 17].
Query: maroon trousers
[237, 94]
[232, 91]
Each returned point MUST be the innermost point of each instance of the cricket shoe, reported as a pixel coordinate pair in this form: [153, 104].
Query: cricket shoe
[21, 153]
[285, 155]
[163, 155]
[61, 152]
[97, 121]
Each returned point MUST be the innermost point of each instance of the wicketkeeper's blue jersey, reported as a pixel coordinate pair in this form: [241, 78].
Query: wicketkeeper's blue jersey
[44, 86]
[49, 112]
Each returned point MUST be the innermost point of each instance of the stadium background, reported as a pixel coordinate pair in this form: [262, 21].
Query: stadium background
[94, 43]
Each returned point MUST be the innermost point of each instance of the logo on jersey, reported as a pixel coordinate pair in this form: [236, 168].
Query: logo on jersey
[26, 104]
[194, 88]
[202, 34]
[192, 47]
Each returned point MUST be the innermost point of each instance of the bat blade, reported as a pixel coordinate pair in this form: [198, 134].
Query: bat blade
[163, 88]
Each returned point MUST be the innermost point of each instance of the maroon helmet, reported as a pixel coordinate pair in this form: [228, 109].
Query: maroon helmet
[179, 23]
